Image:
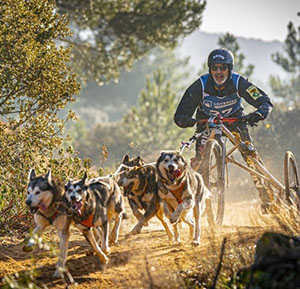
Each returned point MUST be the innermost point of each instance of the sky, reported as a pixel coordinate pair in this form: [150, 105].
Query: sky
[262, 19]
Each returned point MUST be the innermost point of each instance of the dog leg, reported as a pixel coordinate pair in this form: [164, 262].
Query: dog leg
[105, 234]
[150, 212]
[176, 233]
[187, 219]
[161, 216]
[29, 241]
[185, 205]
[114, 236]
[97, 234]
[136, 211]
[63, 248]
[89, 235]
[197, 216]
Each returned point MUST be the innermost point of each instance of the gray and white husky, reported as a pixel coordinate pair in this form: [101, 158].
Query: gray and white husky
[46, 201]
[183, 190]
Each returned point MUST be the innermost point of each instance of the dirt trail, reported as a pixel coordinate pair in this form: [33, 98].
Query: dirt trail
[137, 261]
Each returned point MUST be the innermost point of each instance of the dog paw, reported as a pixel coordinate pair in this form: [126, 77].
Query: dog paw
[177, 242]
[104, 260]
[135, 231]
[195, 243]
[174, 220]
[106, 251]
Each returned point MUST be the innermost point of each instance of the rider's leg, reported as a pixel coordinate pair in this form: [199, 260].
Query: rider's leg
[199, 147]
[262, 188]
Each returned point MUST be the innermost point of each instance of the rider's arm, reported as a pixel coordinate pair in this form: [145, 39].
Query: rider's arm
[190, 100]
[255, 97]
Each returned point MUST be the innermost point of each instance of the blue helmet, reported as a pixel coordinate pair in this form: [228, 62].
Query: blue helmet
[221, 56]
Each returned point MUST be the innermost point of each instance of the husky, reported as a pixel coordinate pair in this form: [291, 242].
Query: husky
[93, 205]
[48, 205]
[183, 190]
[139, 182]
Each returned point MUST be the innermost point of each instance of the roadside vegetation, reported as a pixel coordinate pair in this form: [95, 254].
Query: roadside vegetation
[49, 49]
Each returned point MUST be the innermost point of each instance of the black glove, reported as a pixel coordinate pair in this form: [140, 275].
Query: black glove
[253, 117]
[185, 121]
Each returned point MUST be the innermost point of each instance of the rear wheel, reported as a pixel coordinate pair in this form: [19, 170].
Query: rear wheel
[291, 179]
[212, 171]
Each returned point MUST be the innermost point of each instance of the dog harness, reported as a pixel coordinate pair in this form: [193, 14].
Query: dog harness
[176, 192]
[49, 219]
[58, 206]
[88, 222]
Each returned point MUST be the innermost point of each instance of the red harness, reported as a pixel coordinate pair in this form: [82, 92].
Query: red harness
[88, 222]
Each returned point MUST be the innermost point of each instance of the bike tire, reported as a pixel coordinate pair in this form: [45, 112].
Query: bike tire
[216, 205]
[291, 179]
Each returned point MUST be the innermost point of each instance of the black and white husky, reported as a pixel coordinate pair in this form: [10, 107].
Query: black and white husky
[94, 204]
[46, 201]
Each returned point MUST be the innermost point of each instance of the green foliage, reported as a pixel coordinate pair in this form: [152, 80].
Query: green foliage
[122, 137]
[35, 85]
[279, 133]
[290, 62]
[150, 125]
[111, 35]
[229, 41]
[113, 136]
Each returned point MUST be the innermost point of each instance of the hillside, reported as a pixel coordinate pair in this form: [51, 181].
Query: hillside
[257, 52]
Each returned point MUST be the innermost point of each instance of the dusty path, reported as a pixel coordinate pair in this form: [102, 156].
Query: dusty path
[138, 261]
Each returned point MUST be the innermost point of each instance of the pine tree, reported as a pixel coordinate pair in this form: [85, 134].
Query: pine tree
[35, 85]
[150, 124]
[110, 35]
[290, 62]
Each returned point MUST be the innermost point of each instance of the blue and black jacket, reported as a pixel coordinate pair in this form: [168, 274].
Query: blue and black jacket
[207, 99]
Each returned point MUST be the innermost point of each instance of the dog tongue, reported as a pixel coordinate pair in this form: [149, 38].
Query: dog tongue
[177, 173]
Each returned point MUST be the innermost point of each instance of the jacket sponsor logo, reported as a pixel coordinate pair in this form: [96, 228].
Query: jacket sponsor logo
[207, 103]
[219, 105]
[253, 91]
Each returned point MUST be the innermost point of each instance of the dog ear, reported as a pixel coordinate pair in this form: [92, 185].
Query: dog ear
[67, 185]
[49, 177]
[125, 159]
[140, 161]
[31, 174]
[84, 179]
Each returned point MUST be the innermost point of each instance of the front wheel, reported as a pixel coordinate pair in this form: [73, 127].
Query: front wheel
[291, 179]
[212, 170]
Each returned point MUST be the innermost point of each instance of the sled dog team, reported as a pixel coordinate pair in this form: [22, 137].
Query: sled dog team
[169, 189]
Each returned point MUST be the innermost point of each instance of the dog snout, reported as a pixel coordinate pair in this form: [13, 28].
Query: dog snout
[73, 198]
[28, 202]
[171, 167]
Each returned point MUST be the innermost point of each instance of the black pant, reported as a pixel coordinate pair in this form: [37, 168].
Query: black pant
[263, 189]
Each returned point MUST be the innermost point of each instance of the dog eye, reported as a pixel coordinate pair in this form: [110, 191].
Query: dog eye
[37, 192]
[165, 160]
